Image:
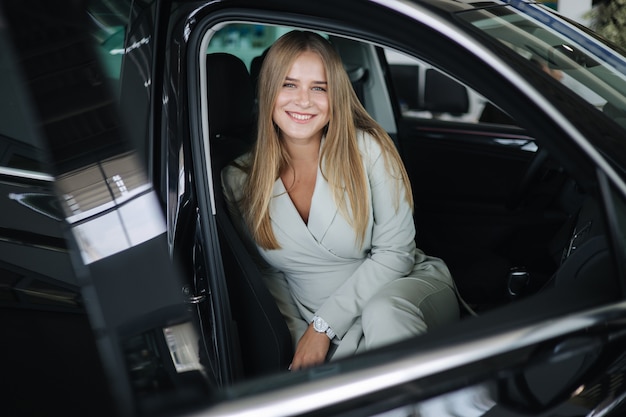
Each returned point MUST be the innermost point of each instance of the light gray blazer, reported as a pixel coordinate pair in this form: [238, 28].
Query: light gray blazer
[319, 268]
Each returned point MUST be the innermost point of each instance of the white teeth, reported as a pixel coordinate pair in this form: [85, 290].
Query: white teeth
[300, 116]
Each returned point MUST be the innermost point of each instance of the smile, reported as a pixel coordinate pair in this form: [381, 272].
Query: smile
[302, 117]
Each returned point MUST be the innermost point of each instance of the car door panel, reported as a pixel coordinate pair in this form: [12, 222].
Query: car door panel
[463, 177]
[109, 217]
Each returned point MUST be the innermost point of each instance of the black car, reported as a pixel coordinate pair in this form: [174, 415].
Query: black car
[125, 289]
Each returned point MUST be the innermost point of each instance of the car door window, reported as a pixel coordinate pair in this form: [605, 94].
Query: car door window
[425, 95]
[465, 170]
[423, 91]
[246, 41]
[587, 71]
[477, 169]
[249, 41]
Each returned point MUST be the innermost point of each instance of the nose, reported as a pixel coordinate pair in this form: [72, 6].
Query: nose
[303, 98]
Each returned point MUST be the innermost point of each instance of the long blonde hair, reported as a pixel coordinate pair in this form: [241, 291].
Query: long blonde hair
[340, 158]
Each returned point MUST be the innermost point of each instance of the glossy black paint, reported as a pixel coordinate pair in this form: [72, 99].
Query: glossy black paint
[129, 296]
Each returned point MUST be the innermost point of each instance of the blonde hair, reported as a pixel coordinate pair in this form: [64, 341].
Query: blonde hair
[340, 158]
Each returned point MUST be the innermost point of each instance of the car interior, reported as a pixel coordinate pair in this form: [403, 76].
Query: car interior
[503, 214]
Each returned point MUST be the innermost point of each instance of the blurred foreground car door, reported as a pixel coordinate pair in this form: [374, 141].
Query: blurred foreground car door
[95, 212]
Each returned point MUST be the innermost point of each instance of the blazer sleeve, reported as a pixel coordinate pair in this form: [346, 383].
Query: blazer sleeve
[275, 281]
[392, 254]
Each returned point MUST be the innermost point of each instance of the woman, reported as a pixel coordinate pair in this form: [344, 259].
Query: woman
[326, 200]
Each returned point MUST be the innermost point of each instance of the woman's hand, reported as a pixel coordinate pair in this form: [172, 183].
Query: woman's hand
[311, 350]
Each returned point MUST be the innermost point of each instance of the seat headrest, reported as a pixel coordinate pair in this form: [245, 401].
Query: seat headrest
[230, 94]
[255, 70]
[443, 94]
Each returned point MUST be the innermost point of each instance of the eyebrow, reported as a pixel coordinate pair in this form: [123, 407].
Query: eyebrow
[314, 82]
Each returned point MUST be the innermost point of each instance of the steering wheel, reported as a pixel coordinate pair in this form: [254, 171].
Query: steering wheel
[520, 192]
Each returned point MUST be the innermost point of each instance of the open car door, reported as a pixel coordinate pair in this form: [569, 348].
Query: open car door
[93, 209]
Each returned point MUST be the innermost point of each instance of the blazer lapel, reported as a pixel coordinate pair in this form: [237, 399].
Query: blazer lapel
[285, 215]
[323, 209]
[322, 213]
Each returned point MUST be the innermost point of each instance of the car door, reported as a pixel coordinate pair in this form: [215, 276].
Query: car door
[48, 348]
[497, 162]
[94, 231]
[468, 162]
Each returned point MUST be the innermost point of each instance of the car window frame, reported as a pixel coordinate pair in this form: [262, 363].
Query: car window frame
[327, 27]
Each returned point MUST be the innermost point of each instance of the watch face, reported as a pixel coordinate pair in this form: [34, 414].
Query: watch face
[320, 325]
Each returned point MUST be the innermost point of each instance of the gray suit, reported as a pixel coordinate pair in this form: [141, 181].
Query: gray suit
[385, 291]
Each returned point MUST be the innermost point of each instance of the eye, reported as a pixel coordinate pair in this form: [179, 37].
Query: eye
[321, 89]
[289, 85]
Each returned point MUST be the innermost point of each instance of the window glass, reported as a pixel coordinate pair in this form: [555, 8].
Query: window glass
[425, 92]
[249, 41]
[246, 40]
[422, 91]
[592, 70]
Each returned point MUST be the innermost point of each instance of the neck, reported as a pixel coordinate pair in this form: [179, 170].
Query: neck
[303, 151]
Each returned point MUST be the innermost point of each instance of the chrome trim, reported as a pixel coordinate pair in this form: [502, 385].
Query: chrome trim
[607, 408]
[196, 299]
[315, 395]
[68, 298]
[22, 173]
[32, 244]
[204, 106]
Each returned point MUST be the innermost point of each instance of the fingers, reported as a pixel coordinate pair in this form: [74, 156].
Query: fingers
[311, 350]
[305, 361]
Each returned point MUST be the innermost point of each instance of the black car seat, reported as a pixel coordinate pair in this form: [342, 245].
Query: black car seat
[255, 70]
[265, 341]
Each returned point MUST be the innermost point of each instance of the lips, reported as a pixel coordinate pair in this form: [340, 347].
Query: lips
[300, 117]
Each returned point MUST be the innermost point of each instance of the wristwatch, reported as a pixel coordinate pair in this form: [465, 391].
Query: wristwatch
[320, 326]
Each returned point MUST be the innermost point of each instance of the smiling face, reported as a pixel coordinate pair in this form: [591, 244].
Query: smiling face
[301, 109]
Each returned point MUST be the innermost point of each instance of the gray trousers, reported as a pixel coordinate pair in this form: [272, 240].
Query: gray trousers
[404, 308]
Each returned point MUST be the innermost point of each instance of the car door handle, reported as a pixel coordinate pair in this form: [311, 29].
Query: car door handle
[190, 298]
[197, 299]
